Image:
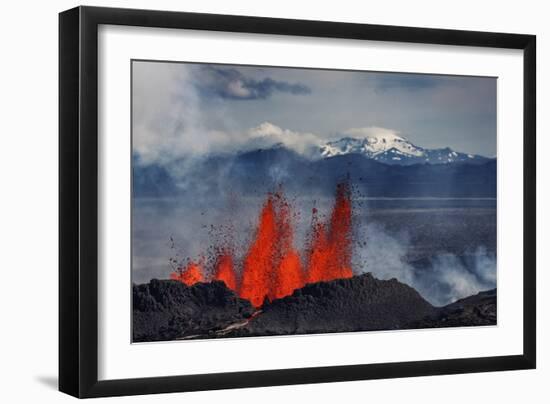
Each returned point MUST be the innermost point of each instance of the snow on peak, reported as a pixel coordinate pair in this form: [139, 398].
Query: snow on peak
[374, 133]
[380, 144]
[371, 141]
[387, 146]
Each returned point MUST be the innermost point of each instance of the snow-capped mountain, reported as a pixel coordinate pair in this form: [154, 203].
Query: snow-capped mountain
[390, 148]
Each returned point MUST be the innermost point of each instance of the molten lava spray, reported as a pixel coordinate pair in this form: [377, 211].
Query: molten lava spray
[288, 277]
[319, 252]
[330, 249]
[288, 273]
[258, 266]
[224, 270]
[341, 232]
[271, 268]
[190, 275]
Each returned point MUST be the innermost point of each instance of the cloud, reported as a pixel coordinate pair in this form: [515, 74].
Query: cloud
[181, 110]
[229, 83]
[167, 119]
[371, 131]
[268, 134]
[172, 119]
[458, 112]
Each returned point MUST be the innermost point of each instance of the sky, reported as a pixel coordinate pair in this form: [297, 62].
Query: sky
[182, 109]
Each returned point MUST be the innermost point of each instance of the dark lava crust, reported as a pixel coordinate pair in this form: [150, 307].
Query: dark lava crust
[167, 310]
[361, 303]
[476, 310]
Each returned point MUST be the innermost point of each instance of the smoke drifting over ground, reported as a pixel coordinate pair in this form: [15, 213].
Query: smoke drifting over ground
[451, 278]
[441, 279]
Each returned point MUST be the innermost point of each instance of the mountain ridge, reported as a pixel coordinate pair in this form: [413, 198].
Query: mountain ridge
[262, 170]
[394, 149]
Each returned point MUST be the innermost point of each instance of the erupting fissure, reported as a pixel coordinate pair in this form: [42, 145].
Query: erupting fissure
[272, 267]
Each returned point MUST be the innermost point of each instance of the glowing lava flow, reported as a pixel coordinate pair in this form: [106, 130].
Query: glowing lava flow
[272, 268]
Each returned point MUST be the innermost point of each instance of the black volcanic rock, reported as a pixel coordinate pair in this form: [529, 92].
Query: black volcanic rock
[476, 310]
[361, 303]
[166, 309]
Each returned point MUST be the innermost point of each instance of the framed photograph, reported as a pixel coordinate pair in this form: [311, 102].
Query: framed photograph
[251, 201]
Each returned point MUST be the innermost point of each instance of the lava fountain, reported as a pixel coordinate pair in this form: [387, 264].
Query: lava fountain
[260, 260]
[224, 270]
[329, 255]
[272, 267]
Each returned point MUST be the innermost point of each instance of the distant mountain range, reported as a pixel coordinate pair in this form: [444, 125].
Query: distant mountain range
[393, 149]
[258, 171]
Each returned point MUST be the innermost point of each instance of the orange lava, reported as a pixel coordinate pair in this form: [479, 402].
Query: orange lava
[225, 272]
[288, 276]
[258, 266]
[288, 268]
[190, 275]
[330, 250]
[272, 267]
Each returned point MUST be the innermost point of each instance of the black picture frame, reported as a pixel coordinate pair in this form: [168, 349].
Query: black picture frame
[78, 201]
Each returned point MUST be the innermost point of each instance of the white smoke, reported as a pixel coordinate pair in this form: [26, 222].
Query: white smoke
[445, 279]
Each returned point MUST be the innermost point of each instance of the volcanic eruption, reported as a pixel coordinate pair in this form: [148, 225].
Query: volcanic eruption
[272, 267]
